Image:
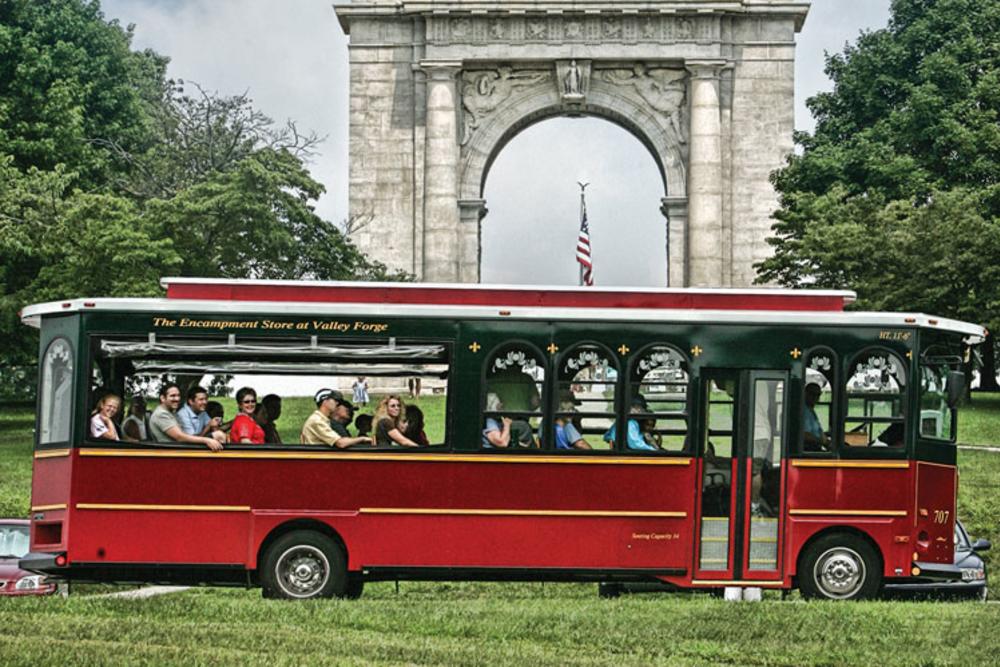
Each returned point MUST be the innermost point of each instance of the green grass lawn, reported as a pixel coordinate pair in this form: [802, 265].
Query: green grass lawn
[495, 624]
[499, 624]
[979, 421]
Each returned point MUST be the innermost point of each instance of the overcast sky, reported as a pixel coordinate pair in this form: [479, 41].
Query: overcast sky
[291, 56]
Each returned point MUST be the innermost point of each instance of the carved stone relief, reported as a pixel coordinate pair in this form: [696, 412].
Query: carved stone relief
[663, 89]
[484, 90]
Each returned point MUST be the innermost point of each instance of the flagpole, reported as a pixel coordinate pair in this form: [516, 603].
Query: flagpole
[583, 209]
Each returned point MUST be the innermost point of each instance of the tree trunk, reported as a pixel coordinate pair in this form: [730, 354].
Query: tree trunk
[988, 373]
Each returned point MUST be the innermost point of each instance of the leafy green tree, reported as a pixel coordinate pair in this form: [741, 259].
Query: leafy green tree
[68, 80]
[897, 193]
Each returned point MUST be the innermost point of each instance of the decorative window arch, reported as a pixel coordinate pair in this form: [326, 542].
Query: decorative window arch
[660, 376]
[875, 395]
[514, 387]
[588, 375]
[56, 393]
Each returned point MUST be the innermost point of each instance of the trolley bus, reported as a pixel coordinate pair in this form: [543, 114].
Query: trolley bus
[722, 386]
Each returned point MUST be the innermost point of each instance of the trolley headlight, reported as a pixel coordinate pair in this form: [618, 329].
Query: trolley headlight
[30, 583]
[973, 574]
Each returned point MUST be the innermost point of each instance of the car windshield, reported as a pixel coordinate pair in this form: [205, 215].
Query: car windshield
[961, 539]
[13, 541]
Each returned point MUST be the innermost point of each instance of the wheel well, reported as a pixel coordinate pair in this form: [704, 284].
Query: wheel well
[297, 524]
[849, 530]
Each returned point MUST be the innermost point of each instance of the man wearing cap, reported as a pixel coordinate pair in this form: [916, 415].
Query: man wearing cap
[343, 415]
[317, 431]
[633, 437]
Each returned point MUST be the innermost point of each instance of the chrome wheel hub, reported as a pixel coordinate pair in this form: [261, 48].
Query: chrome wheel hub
[840, 573]
[303, 571]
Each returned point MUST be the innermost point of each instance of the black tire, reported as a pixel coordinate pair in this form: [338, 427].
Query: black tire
[355, 586]
[840, 566]
[608, 590]
[303, 565]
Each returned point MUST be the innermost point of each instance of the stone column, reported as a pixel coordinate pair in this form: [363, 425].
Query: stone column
[441, 156]
[675, 210]
[471, 212]
[705, 249]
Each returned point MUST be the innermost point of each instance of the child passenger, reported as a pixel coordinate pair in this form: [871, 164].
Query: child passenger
[102, 423]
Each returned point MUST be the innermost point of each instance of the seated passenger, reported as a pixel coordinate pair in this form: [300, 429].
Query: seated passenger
[192, 416]
[497, 430]
[388, 416]
[415, 426]
[649, 434]
[135, 428]
[316, 429]
[813, 437]
[102, 424]
[215, 409]
[363, 424]
[245, 428]
[567, 432]
[163, 424]
[633, 436]
[890, 437]
[342, 415]
[272, 403]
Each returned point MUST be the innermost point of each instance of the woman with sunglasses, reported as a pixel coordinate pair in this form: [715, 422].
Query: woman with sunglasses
[245, 429]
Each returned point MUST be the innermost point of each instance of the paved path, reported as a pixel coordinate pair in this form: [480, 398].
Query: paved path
[995, 450]
[145, 592]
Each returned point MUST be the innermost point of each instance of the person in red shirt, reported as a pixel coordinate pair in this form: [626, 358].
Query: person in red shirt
[245, 429]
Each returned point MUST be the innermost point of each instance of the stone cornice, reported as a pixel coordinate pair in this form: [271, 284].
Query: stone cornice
[798, 9]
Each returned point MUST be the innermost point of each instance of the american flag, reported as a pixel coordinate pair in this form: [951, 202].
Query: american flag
[583, 248]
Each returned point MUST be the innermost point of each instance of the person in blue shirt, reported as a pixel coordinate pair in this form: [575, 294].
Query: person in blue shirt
[567, 433]
[193, 418]
[634, 439]
[813, 437]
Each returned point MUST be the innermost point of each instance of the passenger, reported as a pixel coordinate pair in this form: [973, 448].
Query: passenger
[633, 435]
[649, 434]
[813, 437]
[342, 416]
[497, 431]
[271, 403]
[414, 429]
[317, 431]
[163, 424]
[890, 437]
[102, 424]
[363, 424]
[567, 432]
[245, 428]
[135, 428]
[192, 416]
[360, 388]
[387, 419]
[215, 409]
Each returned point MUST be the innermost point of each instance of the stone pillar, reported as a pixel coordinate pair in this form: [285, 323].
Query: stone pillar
[471, 212]
[705, 244]
[675, 210]
[441, 221]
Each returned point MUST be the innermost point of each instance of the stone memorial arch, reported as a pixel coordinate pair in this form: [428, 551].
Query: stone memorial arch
[437, 89]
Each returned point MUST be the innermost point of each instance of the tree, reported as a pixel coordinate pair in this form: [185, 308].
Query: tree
[112, 176]
[897, 193]
[67, 79]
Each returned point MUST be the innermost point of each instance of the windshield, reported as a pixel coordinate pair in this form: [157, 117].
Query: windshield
[13, 541]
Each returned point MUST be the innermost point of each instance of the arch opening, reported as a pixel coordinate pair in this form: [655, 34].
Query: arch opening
[530, 188]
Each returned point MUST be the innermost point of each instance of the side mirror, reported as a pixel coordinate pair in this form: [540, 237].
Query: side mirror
[981, 545]
[956, 387]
